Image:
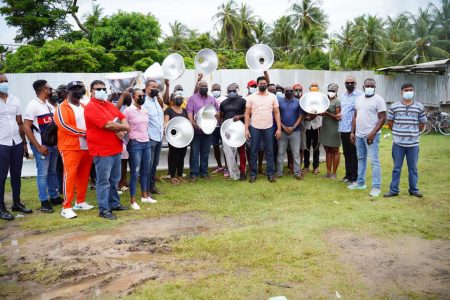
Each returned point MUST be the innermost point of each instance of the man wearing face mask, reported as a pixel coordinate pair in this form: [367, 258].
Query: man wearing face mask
[177, 91]
[201, 144]
[406, 118]
[13, 145]
[345, 128]
[298, 93]
[216, 90]
[312, 125]
[61, 92]
[39, 115]
[369, 117]
[260, 107]
[72, 145]
[153, 104]
[251, 87]
[105, 128]
[234, 107]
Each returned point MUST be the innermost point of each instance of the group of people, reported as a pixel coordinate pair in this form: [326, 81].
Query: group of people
[98, 137]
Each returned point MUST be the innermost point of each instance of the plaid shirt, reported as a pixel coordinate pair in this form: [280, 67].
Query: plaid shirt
[348, 110]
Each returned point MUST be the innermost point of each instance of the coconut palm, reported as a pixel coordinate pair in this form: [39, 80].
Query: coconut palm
[262, 31]
[441, 16]
[307, 14]
[228, 21]
[247, 25]
[282, 33]
[176, 41]
[399, 28]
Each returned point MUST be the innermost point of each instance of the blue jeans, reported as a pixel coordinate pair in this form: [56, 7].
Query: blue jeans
[266, 135]
[363, 149]
[108, 170]
[139, 158]
[155, 152]
[199, 155]
[412, 156]
[47, 181]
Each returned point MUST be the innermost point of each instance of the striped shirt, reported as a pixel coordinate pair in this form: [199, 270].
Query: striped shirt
[406, 118]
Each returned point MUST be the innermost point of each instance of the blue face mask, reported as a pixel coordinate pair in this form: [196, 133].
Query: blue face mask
[369, 91]
[279, 94]
[4, 87]
[101, 95]
[408, 95]
[232, 94]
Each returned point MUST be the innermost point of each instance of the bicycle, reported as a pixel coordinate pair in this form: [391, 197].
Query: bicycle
[437, 121]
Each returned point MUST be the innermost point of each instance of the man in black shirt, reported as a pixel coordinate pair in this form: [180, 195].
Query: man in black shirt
[234, 107]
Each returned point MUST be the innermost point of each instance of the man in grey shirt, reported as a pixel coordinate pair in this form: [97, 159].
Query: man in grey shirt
[369, 117]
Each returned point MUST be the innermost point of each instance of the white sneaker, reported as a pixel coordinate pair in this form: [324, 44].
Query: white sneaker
[68, 213]
[148, 200]
[135, 206]
[83, 206]
[375, 192]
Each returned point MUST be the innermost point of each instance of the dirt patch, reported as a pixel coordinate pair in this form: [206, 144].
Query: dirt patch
[108, 263]
[395, 268]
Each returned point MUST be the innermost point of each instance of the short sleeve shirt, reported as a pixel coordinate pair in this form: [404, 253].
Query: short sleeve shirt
[138, 120]
[231, 107]
[172, 114]
[367, 109]
[41, 113]
[9, 129]
[406, 119]
[261, 108]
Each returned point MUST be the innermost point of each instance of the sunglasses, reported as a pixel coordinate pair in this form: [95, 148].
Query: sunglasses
[298, 91]
[350, 83]
[331, 91]
[232, 91]
[100, 89]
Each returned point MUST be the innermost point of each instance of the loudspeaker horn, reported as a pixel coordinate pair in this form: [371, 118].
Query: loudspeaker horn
[173, 66]
[179, 132]
[206, 119]
[233, 133]
[314, 102]
[119, 82]
[206, 61]
[259, 58]
[155, 72]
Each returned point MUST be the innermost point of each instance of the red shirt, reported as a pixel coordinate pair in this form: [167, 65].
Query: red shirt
[102, 142]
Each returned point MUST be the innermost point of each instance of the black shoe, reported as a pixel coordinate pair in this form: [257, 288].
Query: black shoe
[56, 201]
[20, 207]
[271, 179]
[390, 194]
[252, 179]
[119, 208]
[155, 191]
[107, 215]
[46, 207]
[193, 179]
[204, 176]
[416, 194]
[5, 215]
[243, 177]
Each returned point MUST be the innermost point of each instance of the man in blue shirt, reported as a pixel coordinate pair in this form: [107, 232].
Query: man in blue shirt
[345, 128]
[291, 116]
[406, 119]
[153, 104]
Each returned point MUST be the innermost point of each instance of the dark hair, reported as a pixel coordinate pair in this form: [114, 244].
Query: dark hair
[370, 79]
[271, 84]
[134, 91]
[95, 82]
[406, 85]
[150, 81]
[38, 85]
[260, 78]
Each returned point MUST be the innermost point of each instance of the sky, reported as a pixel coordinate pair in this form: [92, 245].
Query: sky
[198, 14]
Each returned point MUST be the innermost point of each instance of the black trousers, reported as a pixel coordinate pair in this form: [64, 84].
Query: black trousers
[11, 159]
[176, 161]
[312, 139]
[351, 160]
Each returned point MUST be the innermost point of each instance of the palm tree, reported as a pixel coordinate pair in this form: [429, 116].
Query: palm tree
[178, 34]
[247, 26]
[282, 33]
[442, 20]
[229, 25]
[93, 18]
[398, 29]
[341, 46]
[262, 31]
[307, 14]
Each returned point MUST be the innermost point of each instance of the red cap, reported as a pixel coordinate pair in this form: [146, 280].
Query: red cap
[297, 85]
[251, 82]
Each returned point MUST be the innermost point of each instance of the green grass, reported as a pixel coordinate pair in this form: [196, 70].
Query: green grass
[280, 237]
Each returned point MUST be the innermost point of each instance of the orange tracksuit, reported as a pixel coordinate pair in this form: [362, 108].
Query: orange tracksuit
[77, 162]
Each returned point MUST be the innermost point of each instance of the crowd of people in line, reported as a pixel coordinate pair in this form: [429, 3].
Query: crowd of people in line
[82, 143]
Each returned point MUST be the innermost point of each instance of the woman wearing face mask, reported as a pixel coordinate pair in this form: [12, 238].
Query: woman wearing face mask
[176, 155]
[329, 134]
[138, 147]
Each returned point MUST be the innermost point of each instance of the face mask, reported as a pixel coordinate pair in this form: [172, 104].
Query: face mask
[203, 91]
[262, 88]
[101, 95]
[232, 94]
[53, 99]
[4, 87]
[78, 94]
[331, 94]
[216, 94]
[408, 95]
[179, 92]
[369, 91]
[298, 94]
[178, 101]
[140, 100]
[153, 93]
[252, 90]
[288, 94]
[350, 87]
[314, 89]
[279, 94]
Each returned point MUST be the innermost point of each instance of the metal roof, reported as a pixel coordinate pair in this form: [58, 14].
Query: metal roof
[433, 67]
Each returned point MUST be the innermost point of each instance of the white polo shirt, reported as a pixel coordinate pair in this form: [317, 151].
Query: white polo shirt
[9, 129]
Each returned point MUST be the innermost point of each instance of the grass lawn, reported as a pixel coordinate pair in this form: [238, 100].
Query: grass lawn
[279, 232]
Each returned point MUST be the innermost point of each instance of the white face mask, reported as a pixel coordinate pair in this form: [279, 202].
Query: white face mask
[369, 91]
[279, 94]
[252, 90]
[331, 94]
[101, 95]
[408, 95]
[216, 94]
[4, 87]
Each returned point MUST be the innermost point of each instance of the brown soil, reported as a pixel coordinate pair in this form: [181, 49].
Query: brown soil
[396, 268]
[112, 262]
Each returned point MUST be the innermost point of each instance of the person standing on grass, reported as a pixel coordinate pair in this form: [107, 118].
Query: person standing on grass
[72, 146]
[406, 118]
[369, 117]
[312, 124]
[329, 134]
[216, 90]
[106, 126]
[38, 116]
[138, 148]
[13, 146]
